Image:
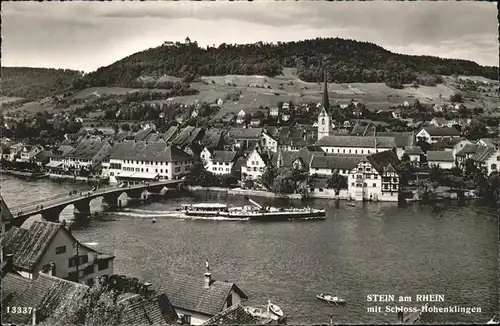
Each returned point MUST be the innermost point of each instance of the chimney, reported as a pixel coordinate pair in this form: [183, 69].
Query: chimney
[400, 317]
[51, 269]
[33, 319]
[208, 280]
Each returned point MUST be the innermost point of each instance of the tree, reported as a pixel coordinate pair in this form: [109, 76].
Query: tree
[269, 176]
[283, 185]
[456, 98]
[477, 129]
[98, 306]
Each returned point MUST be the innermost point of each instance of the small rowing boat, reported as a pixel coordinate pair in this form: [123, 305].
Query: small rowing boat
[351, 204]
[330, 299]
[275, 309]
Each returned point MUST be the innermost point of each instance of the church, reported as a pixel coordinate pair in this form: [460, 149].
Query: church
[324, 118]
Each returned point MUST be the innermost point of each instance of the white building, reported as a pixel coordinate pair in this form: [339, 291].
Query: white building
[143, 161]
[47, 245]
[324, 124]
[240, 117]
[29, 152]
[433, 134]
[375, 177]
[268, 143]
[327, 165]
[218, 162]
[274, 112]
[356, 144]
[255, 165]
[442, 159]
[442, 122]
[197, 299]
[488, 158]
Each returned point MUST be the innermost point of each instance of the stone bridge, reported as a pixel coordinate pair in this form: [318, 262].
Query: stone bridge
[51, 207]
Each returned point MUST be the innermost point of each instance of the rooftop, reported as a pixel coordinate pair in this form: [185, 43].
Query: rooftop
[159, 151]
[153, 311]
[342, 162]
[357, 141]
[442, 131]
[440, 156]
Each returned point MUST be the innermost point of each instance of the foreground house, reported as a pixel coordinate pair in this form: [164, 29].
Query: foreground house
[375, 177]
[141, 161]
[196, 300]
[50, 246]
[238, 315]
[149, 311]
[327, 165]
[433, 134]
[487, 158]
[37, 298]
[442, 159]
[218, 162]
[255, 165]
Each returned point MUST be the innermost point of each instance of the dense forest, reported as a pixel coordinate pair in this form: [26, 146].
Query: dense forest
[344, 60]
[36, 83]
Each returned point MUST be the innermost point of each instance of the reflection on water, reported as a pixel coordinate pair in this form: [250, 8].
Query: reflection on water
[370, 248]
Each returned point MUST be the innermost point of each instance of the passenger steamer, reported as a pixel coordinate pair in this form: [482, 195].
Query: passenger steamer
[256, 212]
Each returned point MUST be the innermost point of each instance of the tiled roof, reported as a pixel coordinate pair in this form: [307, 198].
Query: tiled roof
[342, 162]
[383, 161]
[189, 293]
[212, 139]
[46, 293]
[28, 246]
[440, 156]
[170, 133]
[141, 135]
[483, 153]
[129, 150]
[442, 131]
[13, 285]
[403, 139]
[363, 130]
[357, 141]
[87, 149]
[153, 311]
[223, 156]
[63, 150]
[413, 150]
[467, 149]
[235, 315]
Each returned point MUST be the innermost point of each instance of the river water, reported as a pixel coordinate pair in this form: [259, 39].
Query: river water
[368, 249]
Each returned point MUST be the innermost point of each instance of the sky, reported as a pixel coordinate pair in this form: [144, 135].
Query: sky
[87, 35]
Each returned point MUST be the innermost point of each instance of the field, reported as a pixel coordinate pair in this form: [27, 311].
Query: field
[268, 91]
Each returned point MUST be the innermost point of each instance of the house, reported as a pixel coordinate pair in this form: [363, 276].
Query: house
[285, 117]
[363, 130]
[327, 165]
[213, 139]
[244, 138]
[256, 163]
[274, 112]
[58, 159]
[295, 160]
[255, 122]
[141, 161]
[198, 299]
[286, 106]
[467, 152]
[157, 310]
[487, 158]
[47, 245]
[29, 152]
[188, 136]
[403, 140]
[240, 117]
[41, 297]
[414, 153]
[442, 122]
[15, 151]
[356, 144]
[268, 142]
[218, 162]
[443, 159]
[170, 134]
[375, 177]
[433, 134]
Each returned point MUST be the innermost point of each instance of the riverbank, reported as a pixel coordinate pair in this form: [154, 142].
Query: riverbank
[24, 174]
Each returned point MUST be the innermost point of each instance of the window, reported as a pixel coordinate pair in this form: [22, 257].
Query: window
[60, 250]
[375, 176]
[323, 121]
[349, 151]
[89, 270]
[102, 265]
[374, 185]
[352, 184]
[230, 300]
[394, 186]
[83, 259]
[364, 184]
[493, 166]
[356, 151]
[72, 262]
[187, 319]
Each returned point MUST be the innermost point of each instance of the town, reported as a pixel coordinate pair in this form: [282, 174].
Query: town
[229, 177]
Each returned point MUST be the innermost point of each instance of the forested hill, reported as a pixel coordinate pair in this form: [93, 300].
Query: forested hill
[35, 83]
[345, 61]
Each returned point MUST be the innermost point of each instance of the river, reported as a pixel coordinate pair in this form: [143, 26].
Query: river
[368, 249]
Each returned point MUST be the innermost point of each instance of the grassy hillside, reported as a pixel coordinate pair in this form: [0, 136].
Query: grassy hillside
[346, 61]
[35, 83]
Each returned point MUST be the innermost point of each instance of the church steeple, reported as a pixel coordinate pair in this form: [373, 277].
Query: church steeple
[326, 101]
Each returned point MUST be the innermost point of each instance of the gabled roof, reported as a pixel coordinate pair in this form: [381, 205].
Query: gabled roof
[141, 135]
[87, 149]
[212, 139]
[339, 162]
[12, 285]
[384, 161]
[440, 156]
[153, 311]
[170, 133]
[441, 131]
[63, 150]
[483, 153]
[189, 293]
[236, 315]
[46, 294]
[357, 141]
[160, 151]
[403, 139]
[223, 156]
[245, 133]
